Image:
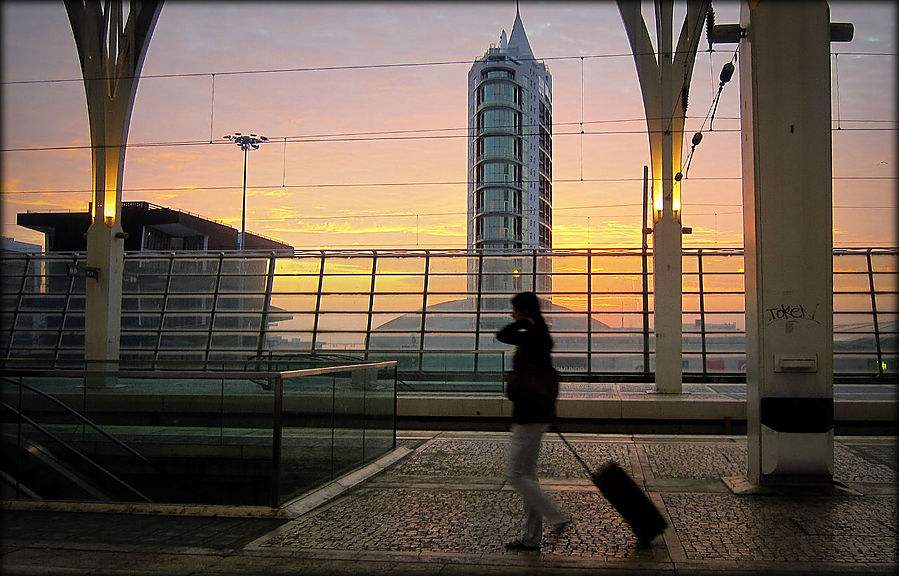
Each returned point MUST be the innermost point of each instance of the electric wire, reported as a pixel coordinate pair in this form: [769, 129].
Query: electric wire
[327, 185]
[362, 67]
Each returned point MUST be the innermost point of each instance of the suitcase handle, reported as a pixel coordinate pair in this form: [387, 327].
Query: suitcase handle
[555, 426]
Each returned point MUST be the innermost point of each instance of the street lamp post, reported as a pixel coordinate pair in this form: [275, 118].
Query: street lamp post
[246, 142]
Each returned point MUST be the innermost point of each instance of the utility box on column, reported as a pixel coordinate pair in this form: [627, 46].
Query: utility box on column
[784, 63]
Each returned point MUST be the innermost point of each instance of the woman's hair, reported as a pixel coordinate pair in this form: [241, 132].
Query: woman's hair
[528, 304]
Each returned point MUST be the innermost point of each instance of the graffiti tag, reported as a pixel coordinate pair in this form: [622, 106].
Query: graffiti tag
[791, 312]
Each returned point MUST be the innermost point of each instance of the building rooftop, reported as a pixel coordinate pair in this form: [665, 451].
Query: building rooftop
[148, 227]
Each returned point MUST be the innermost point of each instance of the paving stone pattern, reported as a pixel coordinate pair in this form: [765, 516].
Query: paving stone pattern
[716, 460]
[865, 463]
[771, 528]
[696, 460]
[487, 459]
[406, 509]
[455, 521]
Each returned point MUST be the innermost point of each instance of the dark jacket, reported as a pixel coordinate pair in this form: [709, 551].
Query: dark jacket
[531, 367]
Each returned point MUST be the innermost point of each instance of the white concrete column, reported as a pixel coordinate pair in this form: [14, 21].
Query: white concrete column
[664, 84]
[111, 48]
[784, 63]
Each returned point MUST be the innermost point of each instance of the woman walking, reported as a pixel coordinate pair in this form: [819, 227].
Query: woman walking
[532, 386]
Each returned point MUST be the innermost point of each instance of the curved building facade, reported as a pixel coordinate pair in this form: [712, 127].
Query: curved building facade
[510, 148]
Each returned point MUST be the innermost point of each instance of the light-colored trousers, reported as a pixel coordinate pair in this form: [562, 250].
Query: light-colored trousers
[522, 474]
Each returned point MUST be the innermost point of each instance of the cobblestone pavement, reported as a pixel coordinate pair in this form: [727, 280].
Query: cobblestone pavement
[446, 508]
[450, 497]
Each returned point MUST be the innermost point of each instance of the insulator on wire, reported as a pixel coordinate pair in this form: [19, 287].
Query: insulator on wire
[709, 25]
[697, 138]
[727, 73]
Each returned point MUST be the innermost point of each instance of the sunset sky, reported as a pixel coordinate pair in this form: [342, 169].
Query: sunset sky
[365, 153]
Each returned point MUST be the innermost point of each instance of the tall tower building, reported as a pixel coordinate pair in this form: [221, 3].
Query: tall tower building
[510, 148]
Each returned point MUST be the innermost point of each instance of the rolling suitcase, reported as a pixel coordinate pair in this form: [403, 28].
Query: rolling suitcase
[626, 496]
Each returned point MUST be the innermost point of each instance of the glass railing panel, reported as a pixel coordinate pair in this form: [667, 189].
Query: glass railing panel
[349, 418]
[380, 412]
[307, 437]
[447, 361]
[491, 363]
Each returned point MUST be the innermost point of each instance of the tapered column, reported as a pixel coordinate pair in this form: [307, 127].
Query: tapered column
[665, 84]
[111, 52]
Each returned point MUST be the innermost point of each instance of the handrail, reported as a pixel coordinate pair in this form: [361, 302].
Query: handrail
[218, 375]
[84, 419]
[75, 451]
[330, 369]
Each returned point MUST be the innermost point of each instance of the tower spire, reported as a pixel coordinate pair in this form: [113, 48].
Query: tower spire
[518, 40]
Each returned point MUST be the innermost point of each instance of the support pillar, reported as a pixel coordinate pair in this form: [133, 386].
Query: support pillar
[111, 51]
[665, 85]
[785, 96]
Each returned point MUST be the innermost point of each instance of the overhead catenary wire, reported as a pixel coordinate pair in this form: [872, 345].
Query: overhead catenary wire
[401, 184]
[361, 67]
[385, 136]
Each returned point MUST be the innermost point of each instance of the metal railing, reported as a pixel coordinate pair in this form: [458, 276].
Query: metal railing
[210, 437]
[435, 311]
